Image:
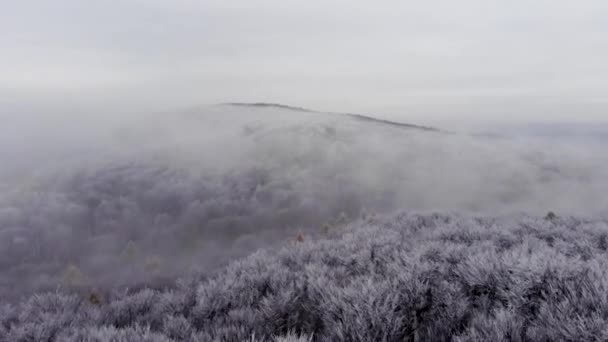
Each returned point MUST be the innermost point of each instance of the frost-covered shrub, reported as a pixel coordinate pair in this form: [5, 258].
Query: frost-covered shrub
[144, 308]
[111, 334]
[409, 277]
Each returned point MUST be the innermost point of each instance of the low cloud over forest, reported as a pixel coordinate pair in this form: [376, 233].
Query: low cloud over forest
[138, 201]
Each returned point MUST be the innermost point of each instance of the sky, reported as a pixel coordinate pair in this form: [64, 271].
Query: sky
[425, 60]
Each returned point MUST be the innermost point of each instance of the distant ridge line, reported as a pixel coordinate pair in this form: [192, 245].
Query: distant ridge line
[352, 115]
[268, 105]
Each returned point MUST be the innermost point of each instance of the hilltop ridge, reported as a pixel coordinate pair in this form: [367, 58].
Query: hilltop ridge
[362, 117]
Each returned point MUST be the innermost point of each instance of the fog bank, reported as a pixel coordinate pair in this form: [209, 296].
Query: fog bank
[116, 201]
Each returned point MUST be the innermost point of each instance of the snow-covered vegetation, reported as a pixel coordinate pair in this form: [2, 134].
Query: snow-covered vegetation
[410, 277]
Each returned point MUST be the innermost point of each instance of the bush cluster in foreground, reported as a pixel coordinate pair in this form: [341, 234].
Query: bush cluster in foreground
[412, 277]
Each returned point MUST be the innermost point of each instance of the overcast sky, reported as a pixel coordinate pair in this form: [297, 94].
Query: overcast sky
[443, 58]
